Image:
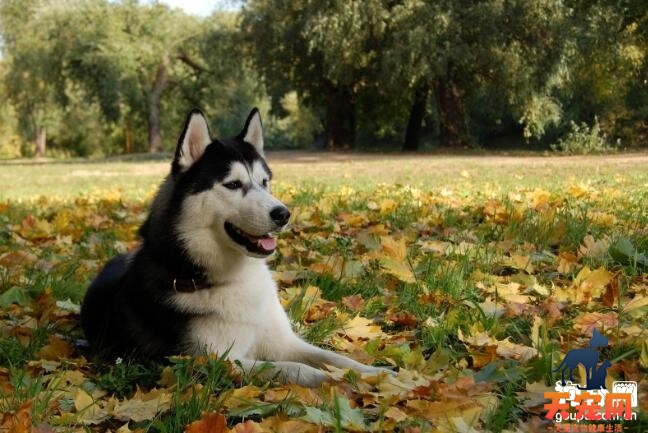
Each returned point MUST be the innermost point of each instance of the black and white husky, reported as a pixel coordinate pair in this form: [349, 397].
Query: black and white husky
[199, 282]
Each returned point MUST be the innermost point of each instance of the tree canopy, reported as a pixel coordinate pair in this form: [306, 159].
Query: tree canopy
[106, 77]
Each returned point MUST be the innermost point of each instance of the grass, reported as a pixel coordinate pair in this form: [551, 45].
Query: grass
[134, 178]
[456, 267]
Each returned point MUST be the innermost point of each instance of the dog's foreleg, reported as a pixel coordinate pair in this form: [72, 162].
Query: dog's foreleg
[285, 371]
[320, 358]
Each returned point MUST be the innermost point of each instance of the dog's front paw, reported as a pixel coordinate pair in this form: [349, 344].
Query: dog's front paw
[301, 374]
[305, 376]
[374, 371]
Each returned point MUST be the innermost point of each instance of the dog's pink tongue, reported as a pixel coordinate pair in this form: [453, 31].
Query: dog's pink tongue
[267, 243]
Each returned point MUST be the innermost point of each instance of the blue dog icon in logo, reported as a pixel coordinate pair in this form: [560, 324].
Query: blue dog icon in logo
[595, 377]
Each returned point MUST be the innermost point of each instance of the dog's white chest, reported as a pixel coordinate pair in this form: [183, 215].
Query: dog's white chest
[235, 317]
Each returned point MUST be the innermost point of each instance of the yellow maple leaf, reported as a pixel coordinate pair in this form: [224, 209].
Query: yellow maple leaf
[540, 199]
[361, 328]
[387, 206]
[88, 410]
[398, 269]
[590, 284]
[510, 292]
[504, 348]
[567, 262]
[395, 249]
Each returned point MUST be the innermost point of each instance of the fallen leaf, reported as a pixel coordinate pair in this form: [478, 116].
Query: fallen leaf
[586, 322]
[142, 406]
[399, 269]
[19, 421]
[248, 426]
[590, 284]
[209, 423]
[360, 328]
[55, 349]
[396, 414]
[87, 409]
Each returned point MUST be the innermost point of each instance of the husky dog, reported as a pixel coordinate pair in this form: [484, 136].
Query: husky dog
[199, 282]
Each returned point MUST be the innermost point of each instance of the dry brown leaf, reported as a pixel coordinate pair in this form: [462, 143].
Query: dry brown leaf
[353, 302]
[55, 349]
[143, 406]
[20, 258]
[396, 414]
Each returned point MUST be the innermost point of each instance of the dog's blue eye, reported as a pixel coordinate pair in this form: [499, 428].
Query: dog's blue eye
[235, 184]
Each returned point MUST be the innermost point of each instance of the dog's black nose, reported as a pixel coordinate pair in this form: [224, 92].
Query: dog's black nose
[280, 215]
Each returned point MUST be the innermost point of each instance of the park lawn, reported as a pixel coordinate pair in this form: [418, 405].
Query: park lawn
[471, 275]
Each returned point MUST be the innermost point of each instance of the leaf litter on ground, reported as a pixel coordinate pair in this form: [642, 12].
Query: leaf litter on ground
[471, 297]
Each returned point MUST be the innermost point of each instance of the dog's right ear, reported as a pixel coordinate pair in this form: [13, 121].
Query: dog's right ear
[192, 142]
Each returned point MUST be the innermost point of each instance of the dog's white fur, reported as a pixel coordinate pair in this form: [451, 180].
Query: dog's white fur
[241, 314]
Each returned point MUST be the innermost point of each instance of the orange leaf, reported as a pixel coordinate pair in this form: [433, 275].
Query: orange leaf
[209, 423]
[588, 321]
[18, 422]
[248, 427]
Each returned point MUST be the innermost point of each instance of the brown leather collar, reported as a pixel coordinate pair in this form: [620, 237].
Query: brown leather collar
[190, 285]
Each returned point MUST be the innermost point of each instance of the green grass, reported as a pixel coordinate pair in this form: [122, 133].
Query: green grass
[314, 172]
[471, 227]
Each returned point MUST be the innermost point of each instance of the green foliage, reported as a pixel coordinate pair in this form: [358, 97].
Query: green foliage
[583, 139]
[119, 378]
[540, 113]
[101, 77]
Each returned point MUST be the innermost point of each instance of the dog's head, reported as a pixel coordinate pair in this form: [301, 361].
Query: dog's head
[222, 189]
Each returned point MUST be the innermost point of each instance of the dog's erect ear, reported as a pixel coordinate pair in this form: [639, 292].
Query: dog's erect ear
[253, 131]
[192, 143]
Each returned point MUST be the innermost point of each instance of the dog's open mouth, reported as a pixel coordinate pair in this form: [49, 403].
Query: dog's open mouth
[264, 245]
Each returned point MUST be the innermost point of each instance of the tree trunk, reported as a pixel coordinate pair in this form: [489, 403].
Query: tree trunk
[128, 136]
[41, 141]
[415, 121]
[155, 135]
[452, 120]
[339, 125]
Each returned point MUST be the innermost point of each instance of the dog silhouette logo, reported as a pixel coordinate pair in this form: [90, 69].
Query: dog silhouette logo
[589, 357]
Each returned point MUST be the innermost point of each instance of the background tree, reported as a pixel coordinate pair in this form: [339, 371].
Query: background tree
[319, 49]
[102, 77]
[457, 53]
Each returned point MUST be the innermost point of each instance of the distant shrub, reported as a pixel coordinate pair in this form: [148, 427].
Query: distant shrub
[540, 113]
[583, 139]
[296, 129]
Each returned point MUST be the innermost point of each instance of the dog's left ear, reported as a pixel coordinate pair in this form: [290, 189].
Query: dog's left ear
[193, 141]
[253, 131]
